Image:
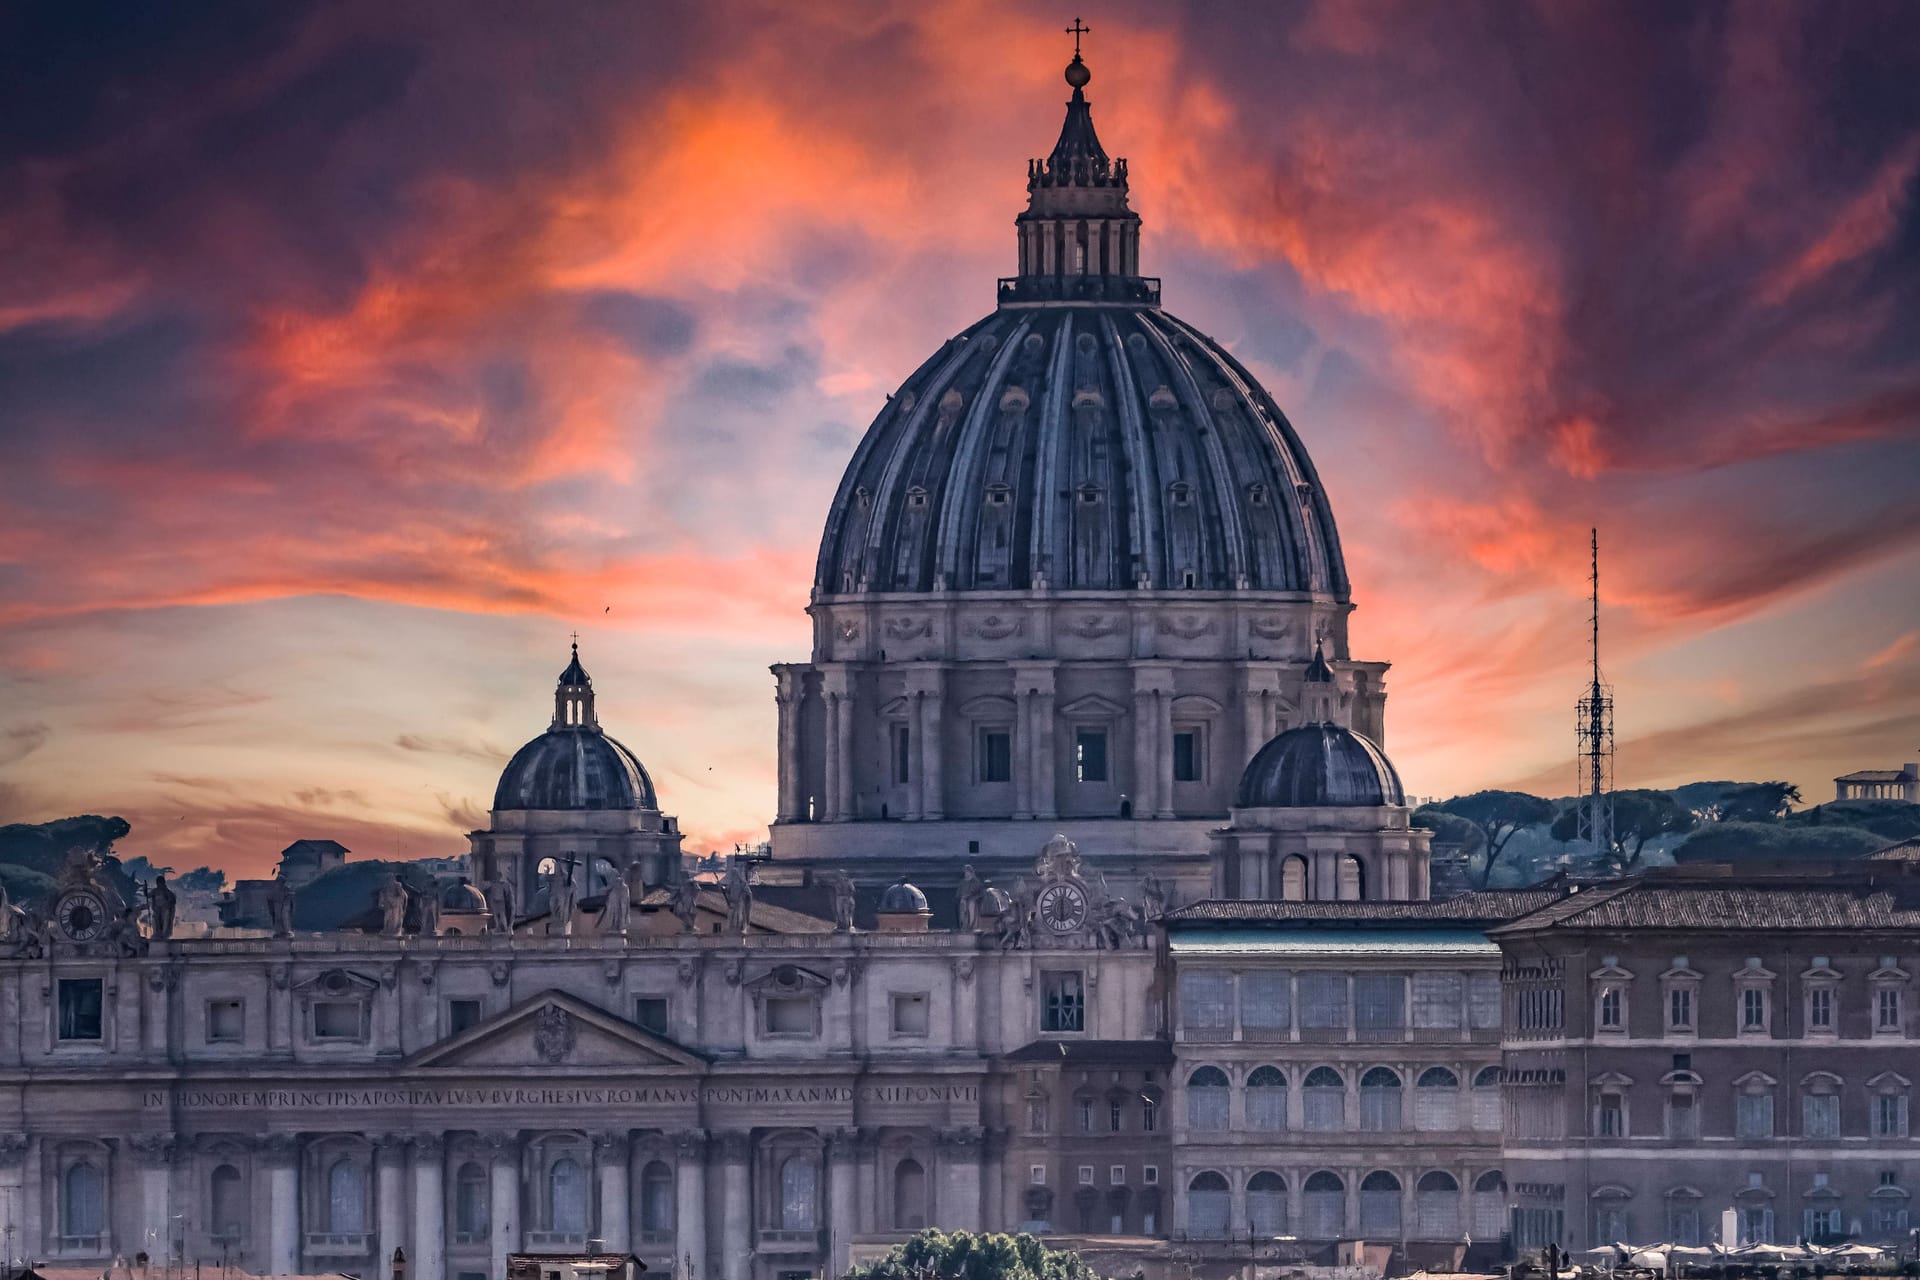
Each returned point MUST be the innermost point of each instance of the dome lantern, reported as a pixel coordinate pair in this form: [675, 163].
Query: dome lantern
[573, 696]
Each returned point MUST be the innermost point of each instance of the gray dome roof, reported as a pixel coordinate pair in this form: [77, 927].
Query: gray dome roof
[901, 898]
[574, 768]
[462, 896]
[1319, 764]
[1091, 446]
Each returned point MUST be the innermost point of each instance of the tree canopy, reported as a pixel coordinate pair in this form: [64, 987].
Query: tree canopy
[1751, 802]
[1890, 819]
[1763, 841]
[1639, 818]
[1498, 816]
[962, 1255]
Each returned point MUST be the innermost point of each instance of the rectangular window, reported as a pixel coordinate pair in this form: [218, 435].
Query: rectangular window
[336, 1019]
[1610, 1120]
[650, 1014]
[1380, 1001]
[910, 1013]
[902, 743]
[1890, 1115]
[1756, 1226]
[1438, 1000]
[1483, 1001]
[1820, 1009]
[1753, 1115]
[1037, 1174]
[1680, 1009]
[1117, 1175]
[1150, 1175]
[80, 1003]
[1206, 1004]
[1323, 1001]
[1086, 1175]
[790, 1015]
[462, 1014]
[1062, 1002]
[225, 1024]
[1821, 1222]
[1090, 755]
[1820, 1115]
[1186, 756]
[1264, 1001]
[996, 755]
[1611, 1009]
[1886, 1009]
[1753, 1009]
[1682, 1117]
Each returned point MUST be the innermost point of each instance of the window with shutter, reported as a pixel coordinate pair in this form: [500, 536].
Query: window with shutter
[1206, 1005]
[1323, 1002]
[1437, 999]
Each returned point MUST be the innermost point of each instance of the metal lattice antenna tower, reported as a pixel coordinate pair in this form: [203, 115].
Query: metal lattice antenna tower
[1593, 729]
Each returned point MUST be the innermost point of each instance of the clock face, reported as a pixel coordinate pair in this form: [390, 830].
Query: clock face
[1062, 907]
[81, 916]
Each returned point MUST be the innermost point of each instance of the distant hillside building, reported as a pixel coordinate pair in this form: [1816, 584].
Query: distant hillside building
[1880, 784]
[301, 863]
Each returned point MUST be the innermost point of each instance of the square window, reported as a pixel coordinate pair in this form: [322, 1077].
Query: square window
[1611, 1122]
[1150, 1175]
[1086, 1175]
[1117, 1175]
[1037, 1174]
[336, 1020]
[1090, 755]
[789, 1015]
[461, 1014]
[650, 1014]
[1062, 1002]
[225, 1022]
[902, 742]
[80, 1006]
[996, 755]
[910, 1013]
[1186, 756]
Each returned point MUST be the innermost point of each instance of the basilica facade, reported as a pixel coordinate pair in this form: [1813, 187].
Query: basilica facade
[1092, 908]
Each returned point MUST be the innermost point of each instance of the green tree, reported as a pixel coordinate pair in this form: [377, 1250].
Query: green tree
[962, 1255]
[1498, 816]
[1767, 841]
[1639, 818]
[1890, 819]
[1756, 802]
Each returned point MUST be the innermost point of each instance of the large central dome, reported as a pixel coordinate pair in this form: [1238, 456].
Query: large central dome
[1081, 446]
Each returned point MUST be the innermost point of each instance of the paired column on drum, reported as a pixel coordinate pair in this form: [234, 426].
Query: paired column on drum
[690, 1200]
[1035, 764]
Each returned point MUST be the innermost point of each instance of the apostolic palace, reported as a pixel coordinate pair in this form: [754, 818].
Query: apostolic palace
[1092, 908]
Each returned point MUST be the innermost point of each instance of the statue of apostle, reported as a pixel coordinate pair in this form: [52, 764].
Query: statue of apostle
[618, 908]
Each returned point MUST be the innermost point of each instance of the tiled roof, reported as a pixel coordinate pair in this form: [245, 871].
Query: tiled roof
[1875, 775]
[1488, 906]
[1646, 904]
[1137, 1053]
[1907, 850]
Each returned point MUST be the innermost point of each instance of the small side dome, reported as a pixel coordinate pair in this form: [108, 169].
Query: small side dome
[1319, 765]
[462, 896]
[901, 899]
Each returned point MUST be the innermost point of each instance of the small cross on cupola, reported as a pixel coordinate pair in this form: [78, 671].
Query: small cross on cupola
[573, 698]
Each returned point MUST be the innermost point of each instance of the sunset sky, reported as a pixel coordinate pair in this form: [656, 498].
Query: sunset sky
[352, 355]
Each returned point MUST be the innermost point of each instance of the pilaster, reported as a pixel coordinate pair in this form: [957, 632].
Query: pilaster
[427, 1259]
[690, 1201]
[611, 1153]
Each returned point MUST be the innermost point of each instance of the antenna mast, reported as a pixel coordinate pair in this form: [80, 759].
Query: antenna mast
[1593, 730]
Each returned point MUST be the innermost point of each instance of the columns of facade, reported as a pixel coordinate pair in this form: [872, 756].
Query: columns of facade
[283, 1205]
[611, 1154]
[1146, 770]
[690, 1201]
[1163, 753]
[933, 801]
[1023, 760]
[736, 1205]
[1033, 753]
[993, 1164]
[842, 1209]
[155, 1152]
[427, 1259]
[958, 1208]
[390, 1173]
[503, 1208]
[14, 1204]
[865, 1150]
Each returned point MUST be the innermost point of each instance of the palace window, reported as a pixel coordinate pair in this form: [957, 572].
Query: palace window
[80, 1008]
[1323, 1002]
[1206, 1004]
[1264, 1001]
[1323, 1206]
[1208, 1207]
[337, 1019]
[1820, 1010]
[1486, 1100]
[1323, 1101]
[1683, 1217]
[1613, 1009]
[1436, 1101]
[1890, 1109]
[909, 1195]
[1753, 1112]
[1083, 1107]
[1062, 1001]
[1886, 1010]
[1680, 1009]
[1820, 1107]
[1380, 1005]
[1150, 1118]
[1380, 1205]
[1380, 1100]
[1267, 1099]
[1186, 755]
[1610, 1116]
[1436, 1206]
[1438, 1000]
[1090, 755]
[995, 755]
[1208, 1100]
[1266, 1205]
[225, 1022]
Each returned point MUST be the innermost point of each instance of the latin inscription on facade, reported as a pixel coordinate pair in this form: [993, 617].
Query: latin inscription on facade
[582, 1096]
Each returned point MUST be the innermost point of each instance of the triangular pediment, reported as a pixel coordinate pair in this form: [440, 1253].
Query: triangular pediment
[556, 1030]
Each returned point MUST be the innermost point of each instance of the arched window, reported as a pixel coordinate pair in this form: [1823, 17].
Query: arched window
[1353, 881]
[346, 1197]
[1436, 1207]
[1207, 1099]
[1380, 1100]
[1293, 879]
[471, 1219]
[909, 1195]
[1266, 1204]
[798, 1194]
[1489, 1205]
[228, 1203]
[567, 1197]
[1380, 1205]
[1323, 1102]
[1323, 1205]
[656, 1197]
[1486, 1100]
[83, 1195]
[1267, 1099]
[1436, 1101]
[1208, 1204]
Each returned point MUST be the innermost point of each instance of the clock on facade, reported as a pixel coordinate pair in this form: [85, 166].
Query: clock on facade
[81, 916]
[1063, 907]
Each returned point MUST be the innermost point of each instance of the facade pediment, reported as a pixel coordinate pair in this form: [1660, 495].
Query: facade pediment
[551, 1029]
